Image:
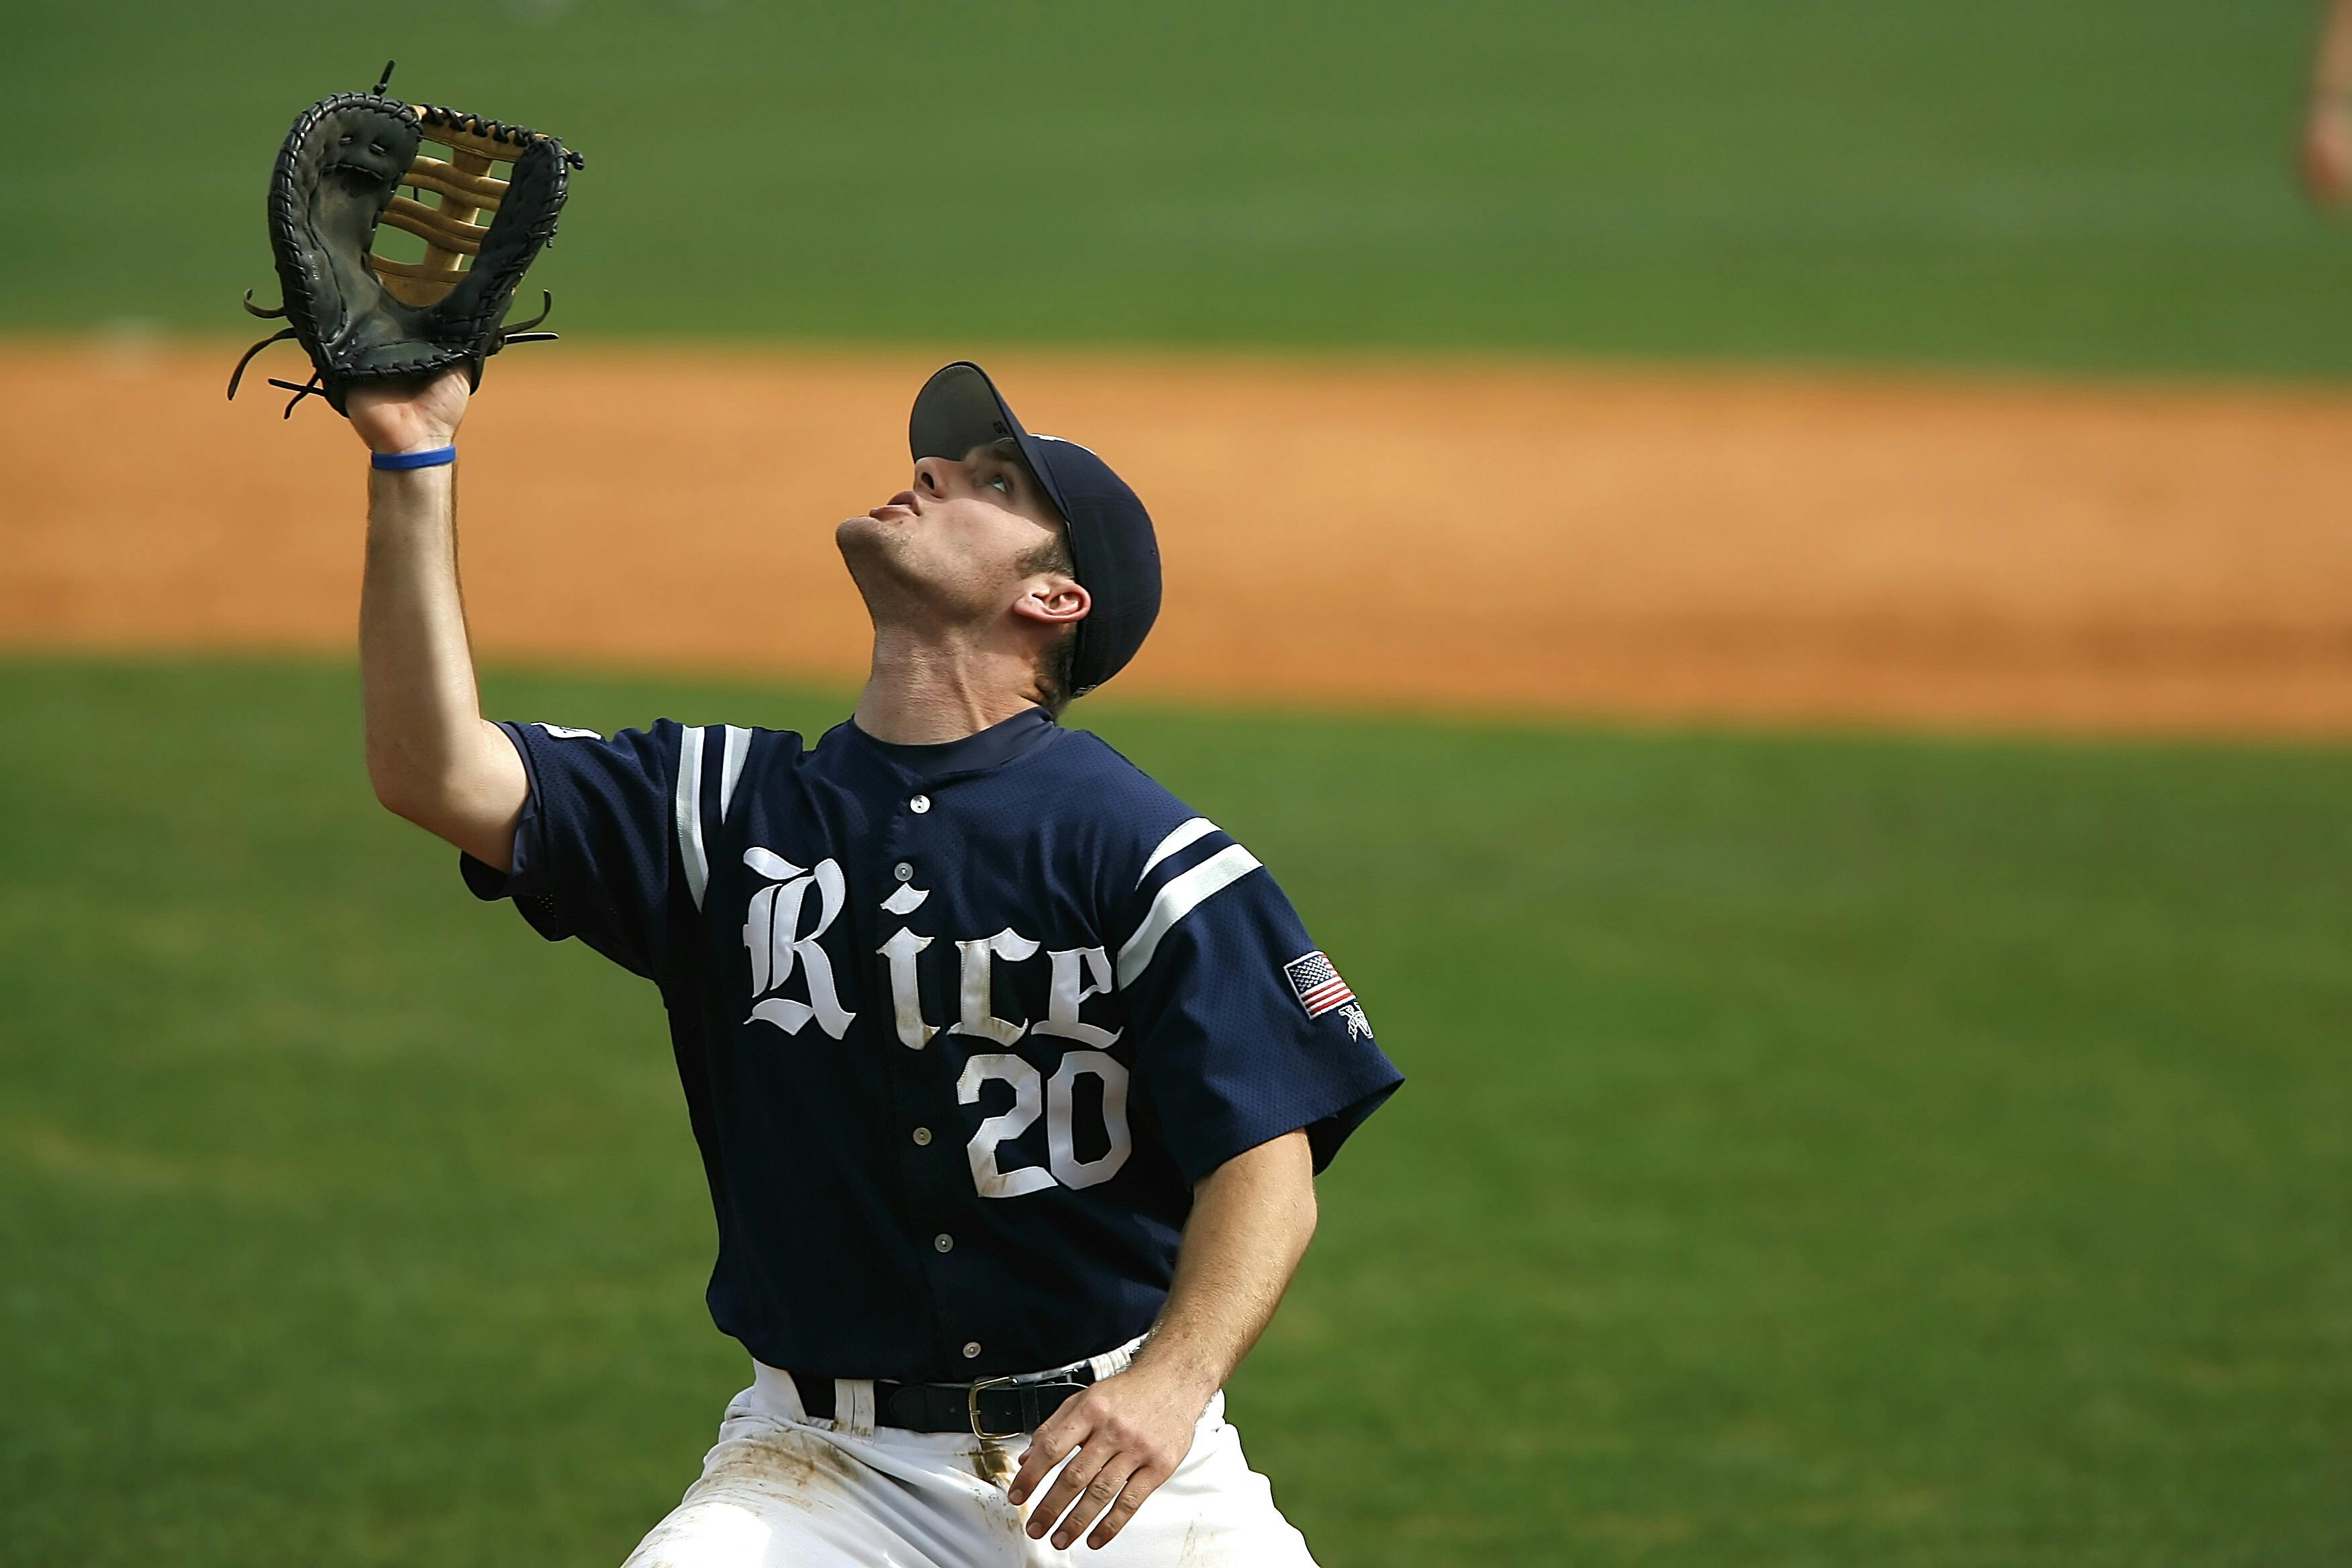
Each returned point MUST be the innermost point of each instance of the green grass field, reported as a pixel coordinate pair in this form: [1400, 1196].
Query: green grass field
[1818, 1151]
[2099, 185]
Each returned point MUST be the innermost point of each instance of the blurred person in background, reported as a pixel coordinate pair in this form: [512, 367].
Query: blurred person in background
[2327, 128]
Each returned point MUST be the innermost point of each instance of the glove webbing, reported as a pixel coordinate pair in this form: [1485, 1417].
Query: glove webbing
[467, 191]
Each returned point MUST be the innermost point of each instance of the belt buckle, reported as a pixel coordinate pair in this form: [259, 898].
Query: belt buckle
[972, 1408]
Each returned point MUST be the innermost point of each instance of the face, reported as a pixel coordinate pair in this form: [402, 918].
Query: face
[949, 548]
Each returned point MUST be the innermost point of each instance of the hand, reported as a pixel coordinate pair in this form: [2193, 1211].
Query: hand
[410, 415]
[1130, 1432]
[2327, 152]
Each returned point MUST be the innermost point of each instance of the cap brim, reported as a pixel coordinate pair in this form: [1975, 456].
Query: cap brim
[959, 408]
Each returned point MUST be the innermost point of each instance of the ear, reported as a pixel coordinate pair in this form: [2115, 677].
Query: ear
[1053, 601]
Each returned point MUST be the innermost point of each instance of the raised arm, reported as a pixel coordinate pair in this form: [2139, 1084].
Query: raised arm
[430, 755]
[1251, 1218]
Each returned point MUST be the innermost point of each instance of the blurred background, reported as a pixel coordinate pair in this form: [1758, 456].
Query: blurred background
[1773, 578]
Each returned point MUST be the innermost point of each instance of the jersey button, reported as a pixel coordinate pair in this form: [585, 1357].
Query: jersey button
[919, 805]
[943, 1242]
[903, 871]
[972, 1350]
[922, 1136]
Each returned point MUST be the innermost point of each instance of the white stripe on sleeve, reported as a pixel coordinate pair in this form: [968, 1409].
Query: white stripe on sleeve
[1191, 832]
[731, 767]
[1178, 899]
[690, 813]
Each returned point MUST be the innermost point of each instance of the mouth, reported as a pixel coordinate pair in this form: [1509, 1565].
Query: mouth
[906, 503]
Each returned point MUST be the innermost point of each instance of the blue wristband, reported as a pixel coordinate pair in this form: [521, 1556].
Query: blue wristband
[432, 459]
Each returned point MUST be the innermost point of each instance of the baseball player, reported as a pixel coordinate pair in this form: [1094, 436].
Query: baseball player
[1010, 1074]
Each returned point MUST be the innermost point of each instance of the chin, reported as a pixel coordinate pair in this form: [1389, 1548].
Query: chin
[863, 536]
[875, 555]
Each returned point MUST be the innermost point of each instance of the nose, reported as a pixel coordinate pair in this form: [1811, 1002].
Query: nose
[932, 476]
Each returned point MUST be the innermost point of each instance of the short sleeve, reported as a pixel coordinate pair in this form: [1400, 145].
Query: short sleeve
[1240, 1039]
[595, 855]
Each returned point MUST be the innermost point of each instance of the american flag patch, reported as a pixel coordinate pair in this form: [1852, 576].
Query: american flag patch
[1317, 984]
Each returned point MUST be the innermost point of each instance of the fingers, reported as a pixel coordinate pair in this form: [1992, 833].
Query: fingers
[1056, 1438]
[1139, 1485]
[1082, 1469]
[1108, 1485]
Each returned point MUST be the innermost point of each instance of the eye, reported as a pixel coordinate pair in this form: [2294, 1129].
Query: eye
[1001, 482]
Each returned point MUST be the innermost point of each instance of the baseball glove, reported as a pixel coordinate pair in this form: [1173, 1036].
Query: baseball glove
[363, 318]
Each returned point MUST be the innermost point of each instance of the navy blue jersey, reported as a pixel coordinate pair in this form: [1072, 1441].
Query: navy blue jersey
[959, 1026]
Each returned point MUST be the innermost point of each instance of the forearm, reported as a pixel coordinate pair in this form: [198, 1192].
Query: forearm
[1251, 1218]
[430, 754]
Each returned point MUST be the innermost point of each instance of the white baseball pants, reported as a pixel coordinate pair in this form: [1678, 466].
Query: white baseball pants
[781, 1490]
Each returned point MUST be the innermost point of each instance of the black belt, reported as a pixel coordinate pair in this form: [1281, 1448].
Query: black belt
[992, 1408]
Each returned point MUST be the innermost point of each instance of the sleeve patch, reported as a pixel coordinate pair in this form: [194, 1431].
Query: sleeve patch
[566, 732]
[1315, 981]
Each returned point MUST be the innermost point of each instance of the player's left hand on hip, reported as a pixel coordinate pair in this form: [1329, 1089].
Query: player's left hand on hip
[1123, 1437]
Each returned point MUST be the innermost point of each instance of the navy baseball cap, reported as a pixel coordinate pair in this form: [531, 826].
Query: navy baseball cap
[1111, 541]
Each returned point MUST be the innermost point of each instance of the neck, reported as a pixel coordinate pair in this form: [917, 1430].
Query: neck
[921, 693]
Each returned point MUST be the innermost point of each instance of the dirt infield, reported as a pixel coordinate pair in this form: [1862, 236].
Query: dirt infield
[1499, 537]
